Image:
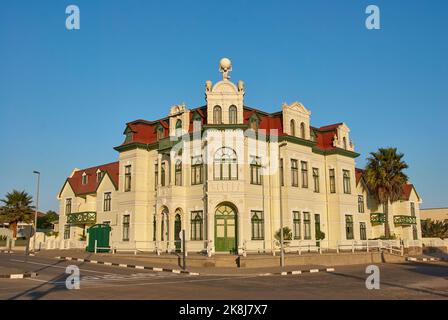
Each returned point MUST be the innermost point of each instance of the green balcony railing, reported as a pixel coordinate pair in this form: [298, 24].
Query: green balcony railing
[402, 220]
[87, 217]
[377, 218]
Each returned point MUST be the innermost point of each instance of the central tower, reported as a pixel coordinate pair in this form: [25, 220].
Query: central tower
[225, 100]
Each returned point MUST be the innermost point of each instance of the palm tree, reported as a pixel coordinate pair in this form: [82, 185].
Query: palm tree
[17, 208]
[385, 178]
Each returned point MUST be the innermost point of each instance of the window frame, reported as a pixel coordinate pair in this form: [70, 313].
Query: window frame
[126, 223]
[332, 180]
[361, 206]
[307, 226]
[197, 224]
[362, 231]
[107, 201]
[233, 114]
[178, 173]
[255, 171]
[257, 224]
[346, 181]
[225, 156]
[349, 232]
[217, 114]
[128, 178]
[294, 173]
[68, 206]
[297, 225]
[197, 170]
[304, 173]
[316, 180]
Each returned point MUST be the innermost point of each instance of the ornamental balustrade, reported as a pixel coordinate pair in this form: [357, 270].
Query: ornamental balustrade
[402, 220]
[87, 217]
[377, 218]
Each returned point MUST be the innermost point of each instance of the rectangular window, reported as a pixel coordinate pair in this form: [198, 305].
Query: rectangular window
[127, 178]
[67, 231]
[362, 231]
[346, 175]
[68, 206]
[255, 171]
[317, 224]
[332, 181]
[84, 179]
[156, 175]
[282, 176]
[349, 227]
[297, 225]
[316, 180]
[197, 225]
[361, 204]
[294, 173]
[107, 201]
[196, 170]
[178, 173]
[126, 220]
[304, 167]
[163, 174]
[412, 209]
[306, 226]
[257, 220]
[99, 176]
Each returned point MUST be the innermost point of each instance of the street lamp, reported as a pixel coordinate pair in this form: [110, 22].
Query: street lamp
[282, 253]
[37, 209]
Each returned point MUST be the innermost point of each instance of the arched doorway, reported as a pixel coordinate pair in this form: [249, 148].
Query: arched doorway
[225, 228]
[177, 230]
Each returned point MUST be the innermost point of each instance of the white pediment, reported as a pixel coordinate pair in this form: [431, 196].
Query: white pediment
[297, 107]
[225, 86]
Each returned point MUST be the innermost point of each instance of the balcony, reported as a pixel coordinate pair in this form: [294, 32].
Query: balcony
[88, 217]
[402, 220]
[377, 218]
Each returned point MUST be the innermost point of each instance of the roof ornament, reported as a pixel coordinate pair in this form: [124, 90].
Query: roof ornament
[225, 66]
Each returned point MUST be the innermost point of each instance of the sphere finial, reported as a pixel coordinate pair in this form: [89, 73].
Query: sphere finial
[225, 66]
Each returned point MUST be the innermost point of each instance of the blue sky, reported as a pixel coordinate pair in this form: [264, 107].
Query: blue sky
[65, 96]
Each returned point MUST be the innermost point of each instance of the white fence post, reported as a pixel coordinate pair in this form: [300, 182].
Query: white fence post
[96, 243]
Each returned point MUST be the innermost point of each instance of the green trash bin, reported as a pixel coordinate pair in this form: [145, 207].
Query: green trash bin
[99, 233]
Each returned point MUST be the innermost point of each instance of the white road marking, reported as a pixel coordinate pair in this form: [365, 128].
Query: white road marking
[60, 267]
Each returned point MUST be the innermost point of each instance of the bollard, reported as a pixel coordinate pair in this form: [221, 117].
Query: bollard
[96, 243]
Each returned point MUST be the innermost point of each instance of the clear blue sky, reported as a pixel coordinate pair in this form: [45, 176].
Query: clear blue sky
[65, 96]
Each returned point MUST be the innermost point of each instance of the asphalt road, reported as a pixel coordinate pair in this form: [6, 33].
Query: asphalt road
[397, 281]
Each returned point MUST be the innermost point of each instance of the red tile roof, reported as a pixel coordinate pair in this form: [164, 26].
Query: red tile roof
[75, 181]
[145, 131]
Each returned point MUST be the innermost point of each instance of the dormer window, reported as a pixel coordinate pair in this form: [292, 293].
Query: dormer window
[160, 133]
[99, 175]
[129, 135]
[84, 178]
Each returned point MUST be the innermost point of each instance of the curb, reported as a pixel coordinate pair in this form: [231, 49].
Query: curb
[6, 251]
[18, 275]
[296, 272]
[412, 259]
[123, 265]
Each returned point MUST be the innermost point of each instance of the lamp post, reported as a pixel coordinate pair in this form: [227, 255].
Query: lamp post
[37, 209]
[282, 253]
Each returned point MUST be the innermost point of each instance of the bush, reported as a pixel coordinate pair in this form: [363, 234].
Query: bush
[287, 234]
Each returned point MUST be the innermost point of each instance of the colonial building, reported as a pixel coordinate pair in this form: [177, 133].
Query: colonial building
[226, 173]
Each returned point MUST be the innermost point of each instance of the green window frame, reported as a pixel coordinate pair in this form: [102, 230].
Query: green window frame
[332, 175]
[304, 171]
[316, 180]
[362, 231]
[107, 201]
[346, 179]
[225, 164]
[255, 171]
[297, 221]
[66, 231]
[361, 208]
[197, 225]
[257, 222]
[294, 173]
[197, 166]
[178, 173]
[317, 224]
[68, 206]
[127, 178]
[349, 235]
[126, 227]
[306, 226]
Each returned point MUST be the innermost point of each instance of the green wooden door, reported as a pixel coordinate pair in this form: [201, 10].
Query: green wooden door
[177, 230]
[225, 229]
[99, 233]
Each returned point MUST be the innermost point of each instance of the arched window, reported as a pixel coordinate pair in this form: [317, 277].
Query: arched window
[217, 115]
[344, 142]
[178, 173]
[292, 127]
[160, 134]
[302, 130]
[178, 128]
[163, 174]
[225, 164]
[233, 115]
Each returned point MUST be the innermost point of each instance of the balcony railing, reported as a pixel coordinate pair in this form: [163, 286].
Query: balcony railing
[403, 220]
[377, 218]
[87, 217]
